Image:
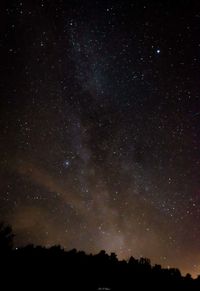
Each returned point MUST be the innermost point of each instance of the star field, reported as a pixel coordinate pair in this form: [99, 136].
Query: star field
[100, 127]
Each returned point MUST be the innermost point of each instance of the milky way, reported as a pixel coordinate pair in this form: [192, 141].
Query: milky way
[100, 127]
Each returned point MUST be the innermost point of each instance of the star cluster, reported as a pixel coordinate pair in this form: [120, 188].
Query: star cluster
[100, 118]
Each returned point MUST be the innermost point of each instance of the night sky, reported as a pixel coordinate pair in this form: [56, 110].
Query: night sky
[100, 127]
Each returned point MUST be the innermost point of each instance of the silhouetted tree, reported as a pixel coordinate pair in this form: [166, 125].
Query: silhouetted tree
[6, 238]
[188, 277]
[113, 257]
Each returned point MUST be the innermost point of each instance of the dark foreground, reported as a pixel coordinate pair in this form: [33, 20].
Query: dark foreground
[37, 268]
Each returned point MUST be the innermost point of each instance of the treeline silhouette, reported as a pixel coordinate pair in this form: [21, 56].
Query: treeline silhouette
[43, 268]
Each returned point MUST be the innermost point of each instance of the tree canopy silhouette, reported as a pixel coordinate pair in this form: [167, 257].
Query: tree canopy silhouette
[6, 238]
[80, 271]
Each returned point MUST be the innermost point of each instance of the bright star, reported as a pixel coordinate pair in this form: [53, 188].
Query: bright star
[66, 163]
[158, 51]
